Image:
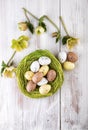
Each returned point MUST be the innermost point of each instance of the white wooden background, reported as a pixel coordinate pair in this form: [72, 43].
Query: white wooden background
[68, 108]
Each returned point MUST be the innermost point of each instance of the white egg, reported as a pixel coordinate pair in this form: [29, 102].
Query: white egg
[35, 66]
[62, 56]
[44, 60]
[42, 82]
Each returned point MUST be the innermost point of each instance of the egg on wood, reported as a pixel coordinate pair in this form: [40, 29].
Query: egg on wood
[62, 56]
[68, 65]
[44, 69]
[44, 60]
[35, 66]
[72, 57]
[42, 82]
[44, 89]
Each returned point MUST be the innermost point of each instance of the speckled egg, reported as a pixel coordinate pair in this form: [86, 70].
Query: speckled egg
[35, 66]
[62, 56]
[44, 69]
[37, 77]
[44, 60]
[72, 57]
[44, 89]
[42, 82]
[28, 75]
[51, 75]
[68, 65]
[31, 86]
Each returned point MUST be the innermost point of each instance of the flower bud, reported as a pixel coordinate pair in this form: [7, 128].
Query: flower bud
[22, 26]
[54, 34]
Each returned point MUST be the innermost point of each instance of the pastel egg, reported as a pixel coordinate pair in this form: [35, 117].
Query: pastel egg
[31, 86]
[44, 60]
[62, 56]
[72, 57]
[68, 65]
[42, 82]
[44, 69]
[44, 89]
[51, 75]
[37, 77]
[28, 75]
[35, 66]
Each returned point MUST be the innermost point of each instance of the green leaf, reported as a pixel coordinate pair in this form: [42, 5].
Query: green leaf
[41, 19]
[4, 65]
[30, 27]
[58, 37]
[42, 24]
[64, 39]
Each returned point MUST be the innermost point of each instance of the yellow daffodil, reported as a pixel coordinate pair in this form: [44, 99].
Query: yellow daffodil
[39, 30]
[20, 44]
[9, 72]
[22, 26]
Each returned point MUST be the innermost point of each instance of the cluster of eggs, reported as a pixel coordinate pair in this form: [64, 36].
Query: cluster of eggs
[68, 59]
[39, 75]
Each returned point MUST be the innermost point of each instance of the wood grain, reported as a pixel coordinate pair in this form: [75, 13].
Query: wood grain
[74, 106]
[68, 108]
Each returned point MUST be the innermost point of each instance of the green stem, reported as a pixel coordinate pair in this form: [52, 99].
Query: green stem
[45, 16]
[26, 11]
[11, 58]
[64, 26]
[26, 16]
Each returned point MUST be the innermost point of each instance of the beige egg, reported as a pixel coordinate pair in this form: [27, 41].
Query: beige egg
[68, 65]
[37, 77]
[44, 69]
[28, 75]
[51, 75]
[72, 57]
[31, 86]
[44, 89]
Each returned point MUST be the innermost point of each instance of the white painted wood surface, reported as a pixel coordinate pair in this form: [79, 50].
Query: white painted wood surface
[68, 108]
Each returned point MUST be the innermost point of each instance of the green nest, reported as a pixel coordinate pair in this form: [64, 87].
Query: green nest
[24, 66]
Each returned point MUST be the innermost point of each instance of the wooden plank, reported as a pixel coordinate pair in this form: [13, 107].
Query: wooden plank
[18, 112]
[44, 110]
[74, 105]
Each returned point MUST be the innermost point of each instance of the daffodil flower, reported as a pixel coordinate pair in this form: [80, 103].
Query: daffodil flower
[20, 44]
[22, 26]
[9, 72]
[39, 30]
